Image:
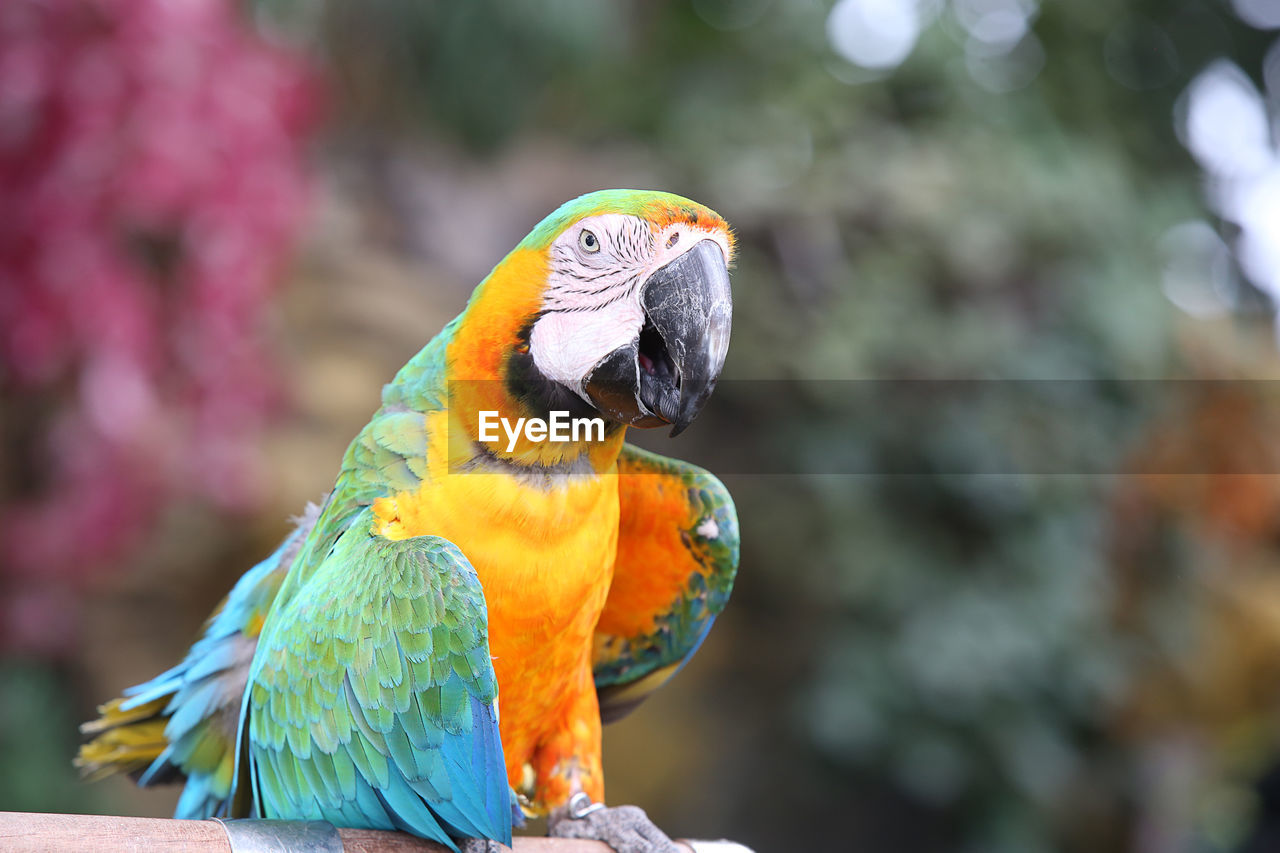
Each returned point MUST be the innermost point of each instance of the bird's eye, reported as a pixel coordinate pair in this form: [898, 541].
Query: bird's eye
[588, 242]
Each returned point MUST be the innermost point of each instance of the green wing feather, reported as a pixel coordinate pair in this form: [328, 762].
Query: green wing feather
[373, 701]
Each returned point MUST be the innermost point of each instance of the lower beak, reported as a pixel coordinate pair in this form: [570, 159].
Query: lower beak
[667, 374]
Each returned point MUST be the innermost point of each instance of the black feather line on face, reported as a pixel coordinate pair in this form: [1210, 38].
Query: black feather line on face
[615, 292]
[622, 293]
[572, 273]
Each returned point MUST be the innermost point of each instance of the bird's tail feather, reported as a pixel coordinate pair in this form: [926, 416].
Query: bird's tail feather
[184, 722]
[125, 741]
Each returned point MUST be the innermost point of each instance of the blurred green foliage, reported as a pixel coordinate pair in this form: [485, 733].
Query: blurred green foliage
[38, 728]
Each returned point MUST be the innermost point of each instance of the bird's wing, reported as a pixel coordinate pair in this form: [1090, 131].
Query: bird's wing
[373, 700]
[677, 557]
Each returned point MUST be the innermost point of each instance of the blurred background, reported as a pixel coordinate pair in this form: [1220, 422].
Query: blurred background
[223, 225]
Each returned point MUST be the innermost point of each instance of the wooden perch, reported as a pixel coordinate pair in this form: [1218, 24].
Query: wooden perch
[66, 833]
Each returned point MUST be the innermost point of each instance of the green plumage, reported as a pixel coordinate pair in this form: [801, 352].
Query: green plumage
[377, 687]
[372, 693]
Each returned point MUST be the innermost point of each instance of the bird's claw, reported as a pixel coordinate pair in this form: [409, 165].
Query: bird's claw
[627, 829]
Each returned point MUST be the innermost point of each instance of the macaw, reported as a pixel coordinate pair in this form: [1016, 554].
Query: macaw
[356, 674]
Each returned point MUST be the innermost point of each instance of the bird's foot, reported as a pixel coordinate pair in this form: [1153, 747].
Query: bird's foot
[627, 829]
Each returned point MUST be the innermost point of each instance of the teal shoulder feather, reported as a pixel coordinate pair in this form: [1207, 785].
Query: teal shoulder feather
[387, 456]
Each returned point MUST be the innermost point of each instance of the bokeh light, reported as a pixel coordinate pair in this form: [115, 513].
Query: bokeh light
[1227, 128]
[1264, 14]
[875, 34]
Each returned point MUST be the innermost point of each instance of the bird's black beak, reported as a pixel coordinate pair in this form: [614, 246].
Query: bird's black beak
[667, 373]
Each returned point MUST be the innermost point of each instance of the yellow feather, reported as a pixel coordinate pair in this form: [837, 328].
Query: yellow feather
[112, 716]
[126, 741]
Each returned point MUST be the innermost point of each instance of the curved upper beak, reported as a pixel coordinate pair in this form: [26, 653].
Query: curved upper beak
[691, 308]
[667, 373]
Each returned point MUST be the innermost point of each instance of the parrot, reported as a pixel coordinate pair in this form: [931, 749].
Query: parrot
[435, 647]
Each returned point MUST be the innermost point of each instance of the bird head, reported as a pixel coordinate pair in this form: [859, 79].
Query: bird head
[617, 303]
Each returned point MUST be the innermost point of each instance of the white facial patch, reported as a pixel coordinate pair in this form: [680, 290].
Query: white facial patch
[592, 302]
[567, 345]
